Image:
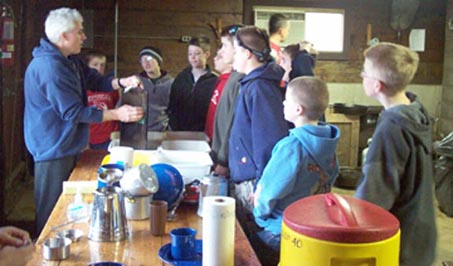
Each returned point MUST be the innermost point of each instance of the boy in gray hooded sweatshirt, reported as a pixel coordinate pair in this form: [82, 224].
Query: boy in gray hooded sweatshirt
[397, 174]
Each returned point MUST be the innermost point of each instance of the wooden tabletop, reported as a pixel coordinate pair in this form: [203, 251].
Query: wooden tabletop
[141, 248]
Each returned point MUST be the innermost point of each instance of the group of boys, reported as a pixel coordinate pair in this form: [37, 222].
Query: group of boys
[245, 113]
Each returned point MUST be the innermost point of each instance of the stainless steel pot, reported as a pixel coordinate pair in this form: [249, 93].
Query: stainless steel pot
[137, 207]
[211, 186]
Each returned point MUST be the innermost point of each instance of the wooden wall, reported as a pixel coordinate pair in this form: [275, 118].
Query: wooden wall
[446, 119]
[143, 23]
[13, 156]
[162, 23]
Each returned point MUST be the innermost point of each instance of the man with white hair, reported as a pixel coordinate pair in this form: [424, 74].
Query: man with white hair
[57, 115]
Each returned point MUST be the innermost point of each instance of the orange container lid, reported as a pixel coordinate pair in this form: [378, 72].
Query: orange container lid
[342, 219]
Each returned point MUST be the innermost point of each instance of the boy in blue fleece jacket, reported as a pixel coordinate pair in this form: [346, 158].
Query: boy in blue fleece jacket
[302, 164]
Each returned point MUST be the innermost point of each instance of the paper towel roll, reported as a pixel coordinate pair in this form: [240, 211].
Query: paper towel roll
[219, 221]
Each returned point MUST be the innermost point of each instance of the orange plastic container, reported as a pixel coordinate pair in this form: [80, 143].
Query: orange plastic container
[333, 230]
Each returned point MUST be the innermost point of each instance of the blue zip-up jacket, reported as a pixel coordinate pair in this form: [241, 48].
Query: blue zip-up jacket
[258, 122]
[57, 116]
[302, 164]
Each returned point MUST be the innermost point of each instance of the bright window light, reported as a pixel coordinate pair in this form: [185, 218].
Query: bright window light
[325, 31]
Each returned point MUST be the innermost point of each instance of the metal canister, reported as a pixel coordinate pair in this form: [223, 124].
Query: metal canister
[108, 218]
[137, 207]
[110, 175]
[211, 186]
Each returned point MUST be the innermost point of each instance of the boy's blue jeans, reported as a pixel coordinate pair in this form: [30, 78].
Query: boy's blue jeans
[271, 240]
[267, 247]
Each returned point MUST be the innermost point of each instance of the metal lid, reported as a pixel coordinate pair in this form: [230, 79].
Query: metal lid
[149, 178]
[110, 176]
[342, 219]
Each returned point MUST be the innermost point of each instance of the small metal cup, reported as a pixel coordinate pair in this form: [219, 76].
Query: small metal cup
[56, 248]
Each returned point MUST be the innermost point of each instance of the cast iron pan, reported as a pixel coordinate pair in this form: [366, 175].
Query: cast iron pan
[350, 109]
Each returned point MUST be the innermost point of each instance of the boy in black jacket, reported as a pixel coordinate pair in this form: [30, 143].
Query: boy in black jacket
[192, 89]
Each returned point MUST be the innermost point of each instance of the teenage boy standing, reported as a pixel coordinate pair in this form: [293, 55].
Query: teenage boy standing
[398, 171]
[192, 89]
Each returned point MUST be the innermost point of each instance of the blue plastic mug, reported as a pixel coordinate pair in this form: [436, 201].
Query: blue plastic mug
[183, 243]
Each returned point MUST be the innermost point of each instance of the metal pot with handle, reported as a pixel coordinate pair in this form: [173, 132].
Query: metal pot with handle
[212, 185]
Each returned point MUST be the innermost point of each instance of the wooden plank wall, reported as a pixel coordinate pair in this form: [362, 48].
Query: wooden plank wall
[142, 23]
[446, 118]
[13, 156]
[162, 23]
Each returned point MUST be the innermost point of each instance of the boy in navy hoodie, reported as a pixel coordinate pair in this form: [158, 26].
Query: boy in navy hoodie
[302, 164]
[258, 121]
[398, 170]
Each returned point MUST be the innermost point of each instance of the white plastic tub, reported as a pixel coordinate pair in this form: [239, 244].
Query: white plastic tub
[191, 164]
[185, 145]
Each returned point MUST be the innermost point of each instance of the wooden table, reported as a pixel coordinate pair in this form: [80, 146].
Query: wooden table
[141, 248]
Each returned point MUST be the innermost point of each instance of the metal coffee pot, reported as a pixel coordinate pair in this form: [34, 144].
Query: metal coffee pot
[108, 220]
[212, 185]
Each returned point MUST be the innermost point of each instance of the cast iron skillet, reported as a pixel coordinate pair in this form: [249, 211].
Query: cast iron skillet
[350, 109]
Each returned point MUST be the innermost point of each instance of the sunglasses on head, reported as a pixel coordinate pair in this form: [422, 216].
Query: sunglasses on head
[262, 55]
[234, 29]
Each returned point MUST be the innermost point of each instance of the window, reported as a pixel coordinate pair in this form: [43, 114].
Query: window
[325, 31]
[323, 27]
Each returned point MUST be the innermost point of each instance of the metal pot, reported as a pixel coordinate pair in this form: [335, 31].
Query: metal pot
[137, 207]
[211, 186]
[349, 109]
